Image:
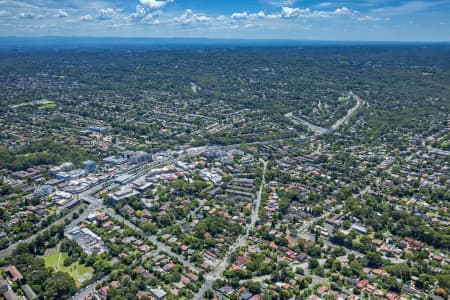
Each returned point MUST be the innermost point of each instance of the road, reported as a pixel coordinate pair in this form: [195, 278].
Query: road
[87, 290]
[8, 251]
[255, 212]
[304, 233]
[141, 170]
[96, 204]
[320, 130]
[316, 129]
[350, 112]
[307, 224]
[192, 213]
[86, 196]
[315, 279]
[240, 242]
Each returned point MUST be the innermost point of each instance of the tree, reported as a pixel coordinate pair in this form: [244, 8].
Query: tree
[313, 263]
[283, 205]
[401, 270]
[149, 227]
[346, 224]
[339, 251]
[355, 268]
[444, 280]
[59, 286]
[303, 284]
[391, 283]
[101, 265]
[69, 260]
[425, 280]
[374, 260]
[254, 287]
[314, 251]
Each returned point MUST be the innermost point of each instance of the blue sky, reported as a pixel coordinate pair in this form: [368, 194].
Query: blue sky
[363, 20]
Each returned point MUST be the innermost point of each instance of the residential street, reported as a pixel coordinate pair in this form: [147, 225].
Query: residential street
[240, 242]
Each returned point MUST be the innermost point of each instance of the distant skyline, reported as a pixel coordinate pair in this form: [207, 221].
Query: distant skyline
[359, 20]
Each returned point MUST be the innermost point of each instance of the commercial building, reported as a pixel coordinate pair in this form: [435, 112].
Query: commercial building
[89, 241]
[137, 157]
[124, 193]
[89, 166]
[98, 129]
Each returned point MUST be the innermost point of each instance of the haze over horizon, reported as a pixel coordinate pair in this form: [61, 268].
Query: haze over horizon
[362, 20]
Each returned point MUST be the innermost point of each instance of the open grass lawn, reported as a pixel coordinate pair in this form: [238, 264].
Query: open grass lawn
[80, 273]
[41, 104]
[47, 105]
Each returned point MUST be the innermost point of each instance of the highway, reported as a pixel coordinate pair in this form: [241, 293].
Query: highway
[320, 130]
[350, 112]
[96, 204]
[242, 240]
[316, 129]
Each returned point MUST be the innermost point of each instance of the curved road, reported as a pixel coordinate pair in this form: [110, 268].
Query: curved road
[320, 130]
[217, 273]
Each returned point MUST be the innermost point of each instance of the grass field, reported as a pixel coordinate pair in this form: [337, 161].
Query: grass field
[79, 273]
[41, 104]
[47, 105]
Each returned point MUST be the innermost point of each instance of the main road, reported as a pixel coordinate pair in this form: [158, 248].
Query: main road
[241, 241]
[320, 130]
[8, 251]
[96, 204]
[350, 112]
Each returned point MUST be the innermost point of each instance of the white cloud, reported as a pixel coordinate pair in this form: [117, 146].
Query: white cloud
[155, 4]
[295, 12]
[145, 15]
[289, 12]
[341, 11]
[140, 13]
[239, 16]
[260, 14]
[105, 13]
[87, 18]
[62, 14]
[247, 16]
[189, 17]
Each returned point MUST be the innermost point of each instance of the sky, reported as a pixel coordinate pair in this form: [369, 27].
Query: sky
[346, 20]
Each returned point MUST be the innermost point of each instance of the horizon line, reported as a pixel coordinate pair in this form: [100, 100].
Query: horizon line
[250, 39]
